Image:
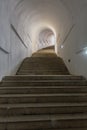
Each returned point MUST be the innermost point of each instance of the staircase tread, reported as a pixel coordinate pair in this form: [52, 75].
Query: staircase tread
[44, 95]
[49, 80]
[49, 117]
[43, 87]
[37, 105]
[43, 70]
[42, 76]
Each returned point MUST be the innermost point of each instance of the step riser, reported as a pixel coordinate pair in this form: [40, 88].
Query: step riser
[43, 83]
[37, 79]
[28, 67]
[38, 60]
[41, 90]
[41, 64]
[43, 70]
[47, 81]
[28, 125]
[41, 99]
[24, 78]
[40, 110]
[42, 73]
[44, 61]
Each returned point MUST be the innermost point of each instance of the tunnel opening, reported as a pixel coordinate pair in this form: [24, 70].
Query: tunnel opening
[46, 38]
[45, 52]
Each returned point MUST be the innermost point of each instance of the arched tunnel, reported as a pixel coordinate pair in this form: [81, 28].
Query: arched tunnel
[27, 26]
[43, 64]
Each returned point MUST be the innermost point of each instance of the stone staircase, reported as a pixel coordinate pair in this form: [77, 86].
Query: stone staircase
[43, 96]
[42, 66]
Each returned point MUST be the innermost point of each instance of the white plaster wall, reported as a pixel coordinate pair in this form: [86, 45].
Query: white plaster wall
[76, 40]
[4, 25]
[4, 63]
[17, 53]
[12, 51]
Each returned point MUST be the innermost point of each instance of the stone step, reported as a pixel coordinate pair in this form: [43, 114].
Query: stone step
[40, 77]
[41, 70]
[45, 68]
[43, 65]
[46, 71]
[44, 121]
[43, 98]
[32, 65]
[45, 83]
[42, 108]
[29, 68]
[63, 129]
[58, 86]
[45, 61]
[42, 90]
[50, 64]
[42, 58]
[42, 73]
[66, 129]
[40, 64]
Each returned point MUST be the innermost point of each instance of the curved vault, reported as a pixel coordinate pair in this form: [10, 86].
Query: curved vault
[30, 17]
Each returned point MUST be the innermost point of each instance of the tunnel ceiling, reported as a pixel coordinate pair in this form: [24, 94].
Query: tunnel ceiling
[34, 18]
